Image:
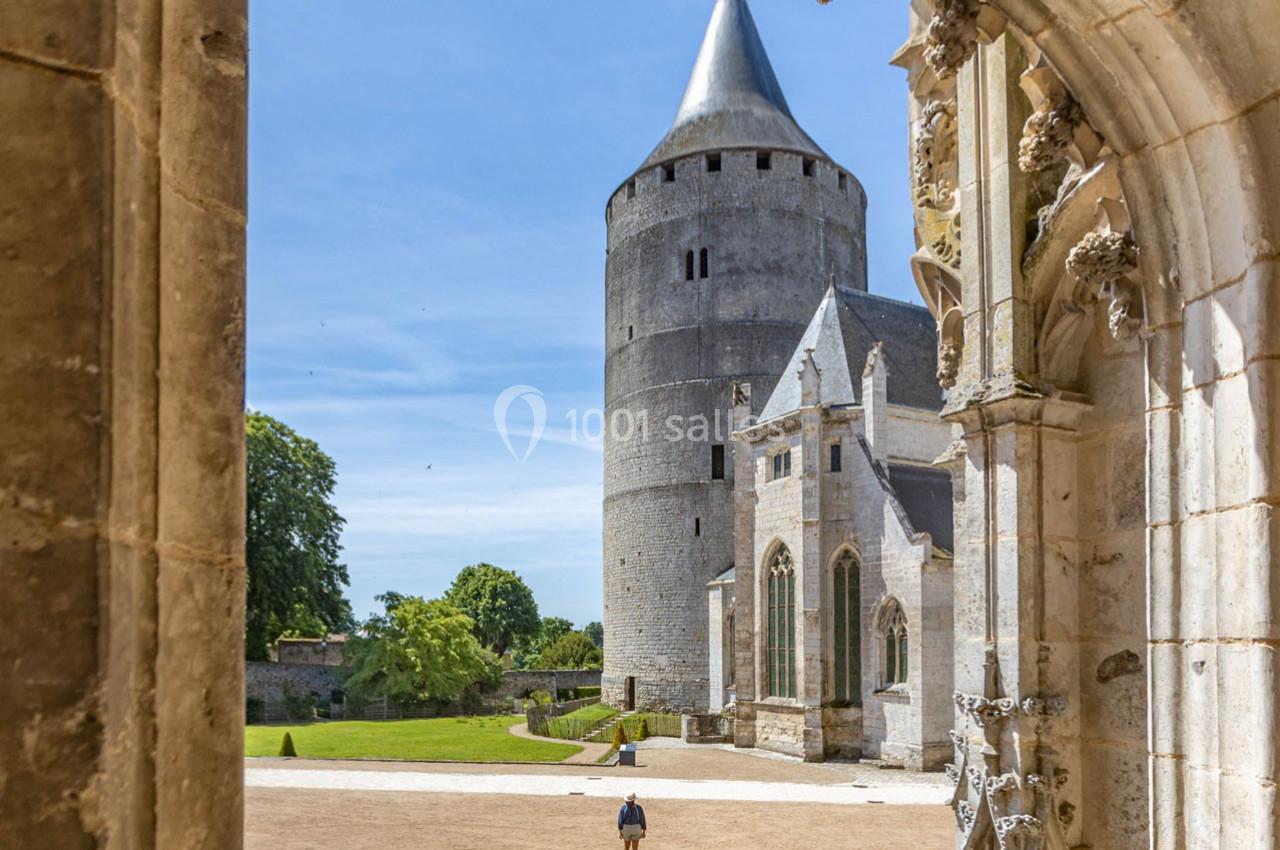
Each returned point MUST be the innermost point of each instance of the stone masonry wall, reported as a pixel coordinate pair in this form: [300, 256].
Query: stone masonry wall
[673, 348]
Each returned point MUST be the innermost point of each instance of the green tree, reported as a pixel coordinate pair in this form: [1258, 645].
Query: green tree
[417, 651]
[498, 601]
[526, 650]
[295, 581]
[573, 651]
[595, 631]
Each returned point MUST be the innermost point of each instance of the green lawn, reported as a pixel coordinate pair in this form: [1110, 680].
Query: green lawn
[483, 739]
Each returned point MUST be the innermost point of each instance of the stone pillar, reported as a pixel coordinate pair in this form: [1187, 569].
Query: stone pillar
[875, 404]
[121, 438]
[744, 568]
[1016, 656]
[810, 560]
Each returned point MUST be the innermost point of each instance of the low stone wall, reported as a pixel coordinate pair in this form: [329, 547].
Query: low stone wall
[516, 682]
[271, 682]
[706, 729]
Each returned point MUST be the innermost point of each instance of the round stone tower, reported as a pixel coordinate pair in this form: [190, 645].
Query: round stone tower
[720, 248]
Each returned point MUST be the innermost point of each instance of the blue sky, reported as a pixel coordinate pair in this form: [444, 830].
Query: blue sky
[427, 191]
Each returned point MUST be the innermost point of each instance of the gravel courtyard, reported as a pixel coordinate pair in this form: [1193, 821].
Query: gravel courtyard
[694, 799]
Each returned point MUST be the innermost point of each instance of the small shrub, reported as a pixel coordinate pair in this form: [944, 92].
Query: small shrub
[642, 731]
[300, 708]
[541, 697]
[287, 749]
[619, 737]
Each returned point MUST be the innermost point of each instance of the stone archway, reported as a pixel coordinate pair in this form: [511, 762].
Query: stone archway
[1165, 235]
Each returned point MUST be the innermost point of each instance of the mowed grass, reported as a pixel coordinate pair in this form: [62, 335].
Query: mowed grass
[482, 739]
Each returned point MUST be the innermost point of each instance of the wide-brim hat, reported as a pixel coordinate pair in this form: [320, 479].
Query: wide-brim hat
[631, 798]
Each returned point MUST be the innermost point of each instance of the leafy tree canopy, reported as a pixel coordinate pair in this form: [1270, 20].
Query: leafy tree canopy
[573, 651]
[295, 581]
[595, 631]
[417, 651]
[499, 602]
[526, 650]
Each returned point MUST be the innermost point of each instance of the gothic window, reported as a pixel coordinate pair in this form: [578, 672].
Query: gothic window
[782, 624]
[704, 264]
[688, 265]
[847, 616]
[895, 646]
[837, 462]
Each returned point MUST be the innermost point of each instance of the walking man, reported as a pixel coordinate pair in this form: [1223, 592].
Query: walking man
[631, 824]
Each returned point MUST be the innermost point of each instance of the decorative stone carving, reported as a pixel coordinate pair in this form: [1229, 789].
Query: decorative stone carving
[952, 36]
[948, 364]
[1049, 132]
[1101, 264]
[934, 169]
[1019, 832]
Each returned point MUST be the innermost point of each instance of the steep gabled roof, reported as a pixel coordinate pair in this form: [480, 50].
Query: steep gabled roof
[847, 324]
[825, 338]
[733, 99]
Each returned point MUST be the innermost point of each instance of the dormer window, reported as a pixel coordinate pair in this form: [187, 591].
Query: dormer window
[669, 173]
[631, 190]
[713, 162]
[844, 182]
[808, 166]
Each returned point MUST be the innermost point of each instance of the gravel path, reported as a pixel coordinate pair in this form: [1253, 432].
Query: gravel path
[610, 785]
[591, 753]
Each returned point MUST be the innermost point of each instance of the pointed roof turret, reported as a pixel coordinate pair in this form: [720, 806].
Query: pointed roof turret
[733, 99]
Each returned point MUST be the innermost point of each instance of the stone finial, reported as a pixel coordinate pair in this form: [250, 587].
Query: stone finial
[810, 380]
[875, 403]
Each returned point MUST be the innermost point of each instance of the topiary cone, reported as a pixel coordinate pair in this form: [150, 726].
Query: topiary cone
[619, 737]
[642, 731]
[286, 747]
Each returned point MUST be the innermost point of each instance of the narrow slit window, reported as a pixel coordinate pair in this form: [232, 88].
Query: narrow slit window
[844, 182]
[786, 464]
[704, 264]
[697, 526]
[717, 463]
[688, 265]
[669, 173]
[631, 190]
[713, 162]
[631, 332]
[764, 161]
[836, 459]
[808, 167]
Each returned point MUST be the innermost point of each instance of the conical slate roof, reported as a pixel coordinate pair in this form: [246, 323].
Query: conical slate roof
[733, 99]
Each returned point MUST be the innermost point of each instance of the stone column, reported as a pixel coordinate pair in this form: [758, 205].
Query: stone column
[121, 439]
[1015, 596]
[744, 568]
[810, 560]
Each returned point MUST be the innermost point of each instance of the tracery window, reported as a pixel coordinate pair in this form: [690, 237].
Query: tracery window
[895, 646]
[847, 616]
[782, 623]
